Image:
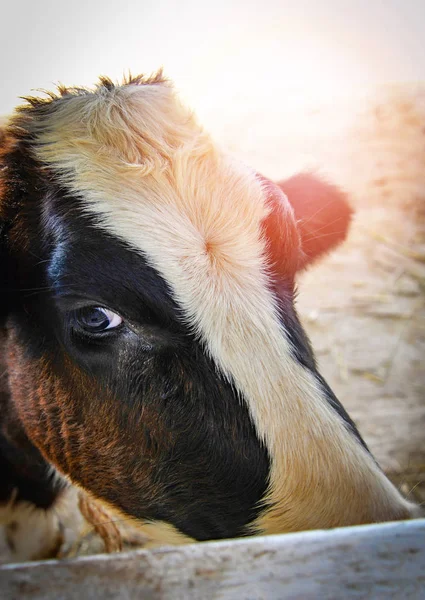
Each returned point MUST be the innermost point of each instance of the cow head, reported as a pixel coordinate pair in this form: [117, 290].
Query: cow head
[154, 352]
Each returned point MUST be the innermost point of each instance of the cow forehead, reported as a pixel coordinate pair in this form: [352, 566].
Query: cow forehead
[138, 154]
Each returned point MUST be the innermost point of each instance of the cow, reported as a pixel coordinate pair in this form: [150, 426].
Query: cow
[152, 349]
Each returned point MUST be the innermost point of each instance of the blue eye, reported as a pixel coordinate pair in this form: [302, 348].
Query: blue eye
[96, 319]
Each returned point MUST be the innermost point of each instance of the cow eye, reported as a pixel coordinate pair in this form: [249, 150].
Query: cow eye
[96, 319]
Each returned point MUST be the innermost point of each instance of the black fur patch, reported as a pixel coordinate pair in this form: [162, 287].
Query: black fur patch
[26, 476]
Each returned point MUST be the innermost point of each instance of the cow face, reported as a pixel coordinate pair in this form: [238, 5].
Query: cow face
[154, 352]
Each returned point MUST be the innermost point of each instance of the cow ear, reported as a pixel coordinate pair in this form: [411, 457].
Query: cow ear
[322, 212]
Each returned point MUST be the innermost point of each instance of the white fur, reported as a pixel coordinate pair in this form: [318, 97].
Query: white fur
[31, 533]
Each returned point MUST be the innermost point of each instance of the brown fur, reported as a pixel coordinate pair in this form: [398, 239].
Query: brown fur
[75, 425]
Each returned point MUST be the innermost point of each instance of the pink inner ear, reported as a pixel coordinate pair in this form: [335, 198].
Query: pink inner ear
[280, 231]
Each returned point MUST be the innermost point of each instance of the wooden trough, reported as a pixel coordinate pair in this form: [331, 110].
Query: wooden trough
[371, 561]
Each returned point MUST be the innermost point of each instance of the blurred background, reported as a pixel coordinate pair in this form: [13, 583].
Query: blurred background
[221, 54]
[337, 86]
[278, 82]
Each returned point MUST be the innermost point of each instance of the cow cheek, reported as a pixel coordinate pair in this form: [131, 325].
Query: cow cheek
[76, 427]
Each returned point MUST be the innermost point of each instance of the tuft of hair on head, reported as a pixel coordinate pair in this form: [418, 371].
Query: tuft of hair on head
[105, 84]
[134, 125]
